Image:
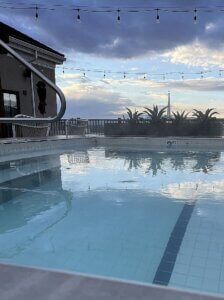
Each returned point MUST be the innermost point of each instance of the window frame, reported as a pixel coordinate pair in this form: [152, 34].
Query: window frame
[16, 93]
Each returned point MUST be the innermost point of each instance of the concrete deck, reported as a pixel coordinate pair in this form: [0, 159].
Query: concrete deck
[25, 283]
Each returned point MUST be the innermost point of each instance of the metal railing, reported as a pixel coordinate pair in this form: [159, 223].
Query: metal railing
[45, 79]
[94, 126]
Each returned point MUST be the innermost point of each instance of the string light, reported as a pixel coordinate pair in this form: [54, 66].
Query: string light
[195, 16]
[157, 16]
[110, 9]
[36, 14]
[78, 16]
[118, 16]
[145, 75]
[63, 71]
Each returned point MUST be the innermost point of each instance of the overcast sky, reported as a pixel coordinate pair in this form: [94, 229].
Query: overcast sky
[137, 44]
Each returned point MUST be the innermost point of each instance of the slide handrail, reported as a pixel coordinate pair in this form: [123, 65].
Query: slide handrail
[46, 80]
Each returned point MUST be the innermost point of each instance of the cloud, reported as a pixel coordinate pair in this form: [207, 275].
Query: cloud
[92, 100]
[200, 85]
[209, 84]
[196, 55]
[137, 35]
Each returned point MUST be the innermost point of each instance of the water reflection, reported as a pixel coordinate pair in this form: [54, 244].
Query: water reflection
[154, 162]
[36, 200]
[205, 162]
[78, 157]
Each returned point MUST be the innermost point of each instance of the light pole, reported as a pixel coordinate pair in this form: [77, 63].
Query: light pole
[168, 106]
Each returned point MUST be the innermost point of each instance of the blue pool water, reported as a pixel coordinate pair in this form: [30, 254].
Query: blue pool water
[155, 217]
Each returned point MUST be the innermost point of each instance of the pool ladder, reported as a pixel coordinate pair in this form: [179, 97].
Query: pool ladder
[46, 80]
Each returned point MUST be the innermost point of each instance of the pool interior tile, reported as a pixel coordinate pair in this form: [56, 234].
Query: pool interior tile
[200, 261]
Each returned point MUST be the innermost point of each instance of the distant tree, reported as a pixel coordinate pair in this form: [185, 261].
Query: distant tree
[179, 118]
[205, 117]
[133, 116]
[156, 116]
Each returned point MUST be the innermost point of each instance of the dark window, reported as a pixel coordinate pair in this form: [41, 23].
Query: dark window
[11, 104]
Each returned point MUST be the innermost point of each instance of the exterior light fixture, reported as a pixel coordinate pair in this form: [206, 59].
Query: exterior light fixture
[157, 16]
[118, 16]
[78, 16]
[36, 14]
[195, 16]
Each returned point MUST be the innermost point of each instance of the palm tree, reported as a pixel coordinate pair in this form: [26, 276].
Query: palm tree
[206, 117]
[155, 115]
[179, 118]
[133, 117]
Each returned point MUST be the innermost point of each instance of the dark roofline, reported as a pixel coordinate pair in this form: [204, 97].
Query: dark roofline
[6, 31]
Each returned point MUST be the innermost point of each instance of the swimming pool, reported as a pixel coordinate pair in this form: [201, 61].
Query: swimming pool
[148, 216]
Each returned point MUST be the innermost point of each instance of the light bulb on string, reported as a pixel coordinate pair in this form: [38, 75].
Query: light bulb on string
[118, 16]
[164, 77]
[220, 73]
[157, 16]
[104, 75]
[84, 74]
[63, 70]
[36, 14]
[78, 18]
[144, 76]
[124, 75]
[195, 16]
[202, 76]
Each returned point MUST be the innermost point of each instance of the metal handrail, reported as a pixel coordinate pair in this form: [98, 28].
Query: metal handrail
[45, 79]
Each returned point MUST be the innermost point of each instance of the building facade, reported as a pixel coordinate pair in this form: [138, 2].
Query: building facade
[21, 91]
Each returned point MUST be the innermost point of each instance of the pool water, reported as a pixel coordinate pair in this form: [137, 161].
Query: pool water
[155, 217]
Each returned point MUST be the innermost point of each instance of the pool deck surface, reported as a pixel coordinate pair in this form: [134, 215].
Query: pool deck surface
[23, 283]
